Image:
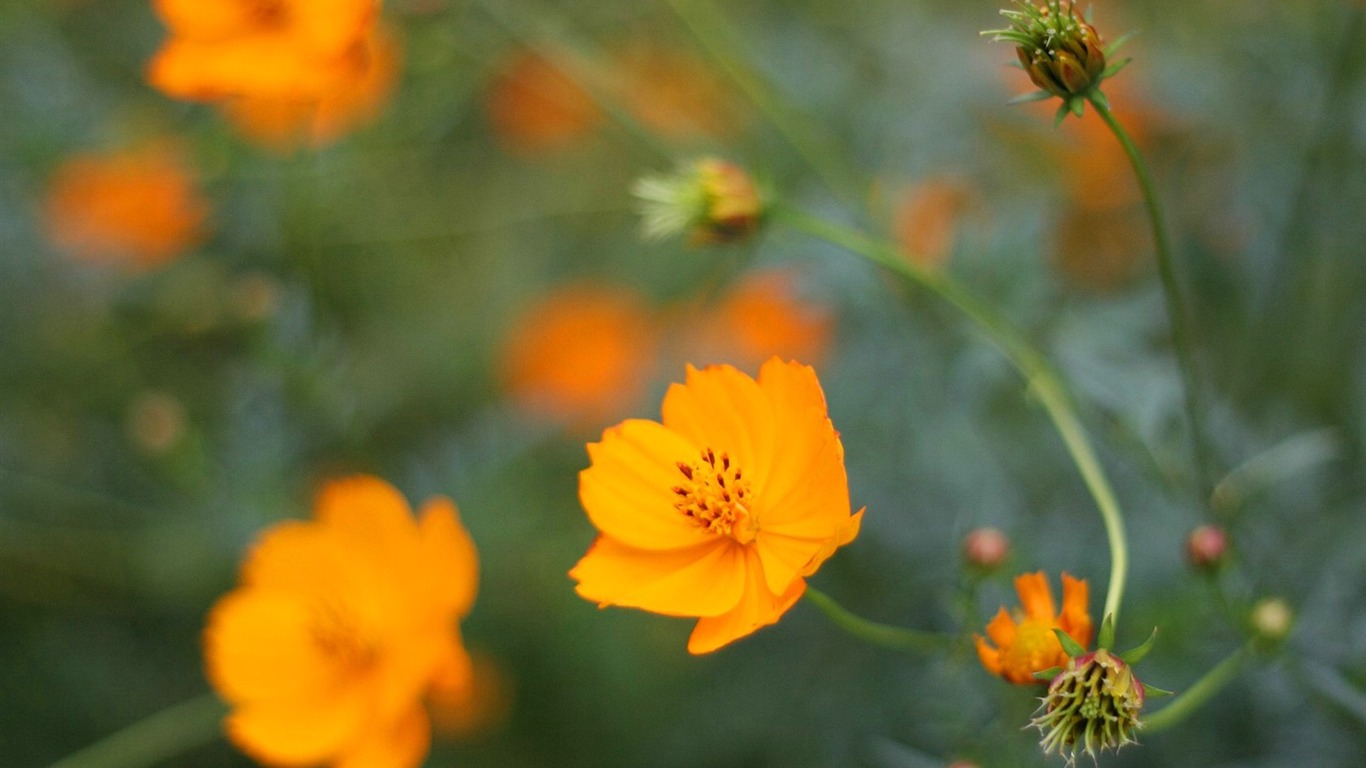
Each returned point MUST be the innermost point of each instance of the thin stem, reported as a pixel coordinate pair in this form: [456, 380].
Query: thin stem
[1178, 315]
[719, 40]
[1042, 379]
[895, 638]
[153, 739]
[1195, 696]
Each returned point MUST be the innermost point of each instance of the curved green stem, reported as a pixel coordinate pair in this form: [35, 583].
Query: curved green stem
[1042, 379]
[155, 738]
[895, 638]
[1178, 315]
[1200, 692]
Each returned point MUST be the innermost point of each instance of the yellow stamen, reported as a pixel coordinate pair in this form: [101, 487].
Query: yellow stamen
[716, 496]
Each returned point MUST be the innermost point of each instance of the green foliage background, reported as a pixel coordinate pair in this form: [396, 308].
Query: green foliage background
[402, 252]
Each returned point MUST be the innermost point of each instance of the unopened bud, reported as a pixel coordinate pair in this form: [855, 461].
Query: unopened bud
[1059, 50]
[710, 200]
[985, 548]
[1272, 619]
[1205, 547]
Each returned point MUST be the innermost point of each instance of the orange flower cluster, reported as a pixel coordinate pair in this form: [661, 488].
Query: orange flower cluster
[1024, 641]
[284, 71]
[137, 208]
[340, 626]
[721, 510]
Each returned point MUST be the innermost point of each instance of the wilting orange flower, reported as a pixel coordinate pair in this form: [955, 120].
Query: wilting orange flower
[761, 316]
[1024, 641]
[535, 107]
[340, 626]
[259, 48]
[721, 510]
[283, 122]
[582, 355]
[135, 207]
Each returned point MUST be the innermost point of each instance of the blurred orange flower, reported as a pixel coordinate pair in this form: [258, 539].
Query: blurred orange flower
[339, 627]
[925, 220]
[721, 510]
[136, 207]
[677, 95]
[283, 122]
[1024, 641]
[761, 316]
[470, 705]
[535, 107]
[582, 355]
[260, 48]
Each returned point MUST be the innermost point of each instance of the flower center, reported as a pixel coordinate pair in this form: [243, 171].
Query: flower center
[715, 496]
[337, 633]
[1034, 648]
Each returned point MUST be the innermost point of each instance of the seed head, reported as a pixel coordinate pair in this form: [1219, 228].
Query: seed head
[1091, 705]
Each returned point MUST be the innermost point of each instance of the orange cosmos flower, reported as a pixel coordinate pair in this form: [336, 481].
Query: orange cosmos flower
[281, 122]
[721, 510]
[339, 627]
[138, 208]
[534, 107]
[1024, 642]
[582, 355]
[927, 217]
[259, 48]
[676, 95]
[763, 315]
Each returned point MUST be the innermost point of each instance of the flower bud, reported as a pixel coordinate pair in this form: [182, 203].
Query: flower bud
[710, 200]
[1272, 619]
[985, 548]
[1059, 50]
[1205, 547]
[1091, 706]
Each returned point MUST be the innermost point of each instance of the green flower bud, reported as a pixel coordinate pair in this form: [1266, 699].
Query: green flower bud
[1059, 50]
[1091, 705]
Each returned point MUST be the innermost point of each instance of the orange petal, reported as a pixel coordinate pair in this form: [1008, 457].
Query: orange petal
[705, 580]
[298, 732]
[990, 657]
[206, 19]
[331, 27]
[628, 490]
[721, 408]
[1035, 596]
[258, 645]
[1075, 619]
[785, 558]
[757, 608]
[807, 493]
[402, 744]
[449, 561]
[1001, 629]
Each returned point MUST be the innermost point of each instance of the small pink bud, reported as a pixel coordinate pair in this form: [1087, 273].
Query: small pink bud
[1205, 546]
[985, 548]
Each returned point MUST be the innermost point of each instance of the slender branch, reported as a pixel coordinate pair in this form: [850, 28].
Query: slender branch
[1178, 315]
[895, 638]
[155, 738]
[1042, 379]
[1200, 692]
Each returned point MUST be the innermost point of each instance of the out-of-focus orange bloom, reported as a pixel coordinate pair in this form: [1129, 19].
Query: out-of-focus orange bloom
[1024, 641]
[282, 122]
[925, 220]
[340, 626]
[535, 107]
[721, 510]
[259, 48]
[761, 316]
[138, 208]
[676, 95]
[582, 355]
[469, 706]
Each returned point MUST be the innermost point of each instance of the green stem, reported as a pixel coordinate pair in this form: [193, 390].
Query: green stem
[154, 739]
[1178, 315]
[895, 638]
[720, 42]
[1200, 692]
[1043, 381]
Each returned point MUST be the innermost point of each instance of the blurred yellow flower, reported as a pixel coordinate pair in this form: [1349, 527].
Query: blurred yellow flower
[582, 355]
[721, 510]
[259, 48]
[137, 208]
[1024, 641]
[340, 626]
